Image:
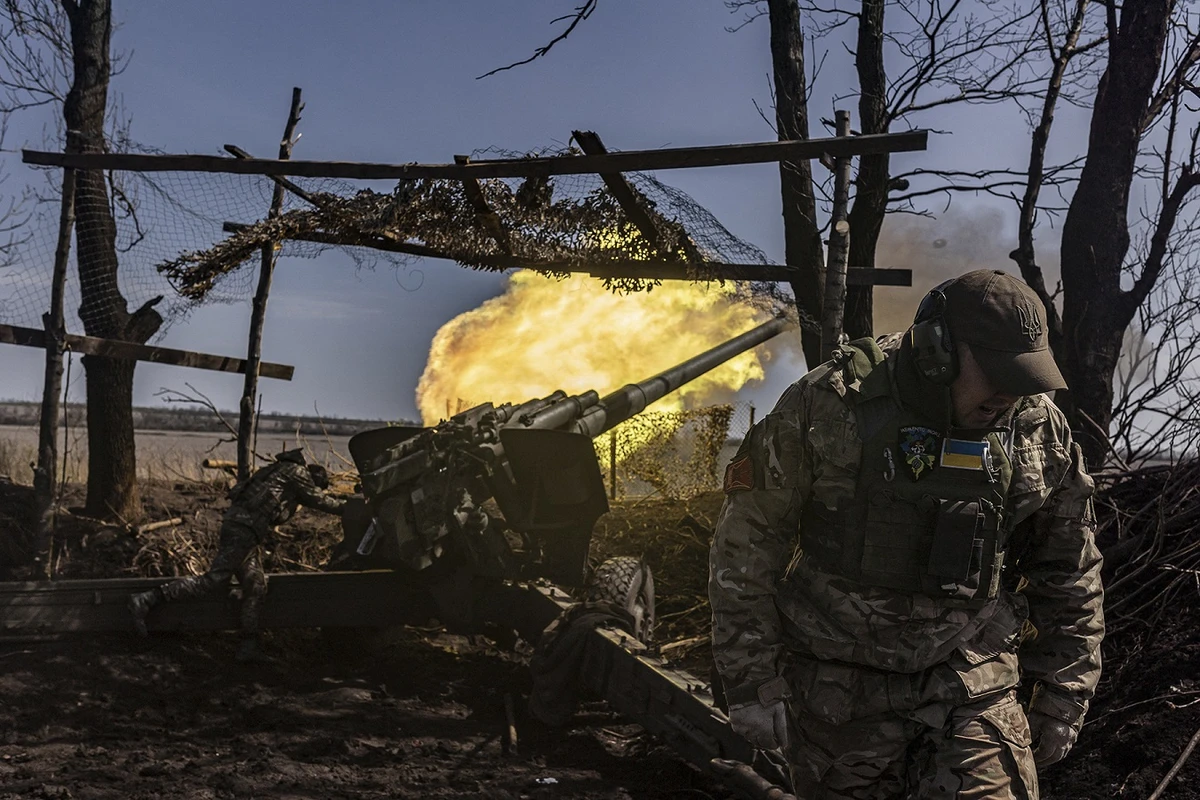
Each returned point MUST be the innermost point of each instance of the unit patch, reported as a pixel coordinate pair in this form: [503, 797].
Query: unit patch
[966, 454]
[739, 475]
[919, 446]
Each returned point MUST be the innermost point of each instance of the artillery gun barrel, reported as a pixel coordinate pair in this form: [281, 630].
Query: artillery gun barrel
[562, 412]
[632, 398]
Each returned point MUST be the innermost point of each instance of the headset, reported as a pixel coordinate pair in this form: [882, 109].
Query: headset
[933, 349]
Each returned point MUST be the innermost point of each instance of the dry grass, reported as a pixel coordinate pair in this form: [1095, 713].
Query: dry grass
[164, 456]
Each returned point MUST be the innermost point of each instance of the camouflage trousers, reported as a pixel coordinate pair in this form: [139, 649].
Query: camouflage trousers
[859, 734]
[237, 554]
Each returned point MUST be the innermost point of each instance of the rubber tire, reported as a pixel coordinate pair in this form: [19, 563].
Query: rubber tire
[626, 582]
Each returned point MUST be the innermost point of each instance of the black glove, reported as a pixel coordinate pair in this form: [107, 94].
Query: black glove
[1054, 722]
[1052, 738]
[763, 718]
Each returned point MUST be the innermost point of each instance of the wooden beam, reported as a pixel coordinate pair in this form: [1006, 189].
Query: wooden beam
[305, 600]
[115, 348]
[625, 195]
[855, 276]
[483, 212]
[661, 270]
[626, 161]
[308, 197]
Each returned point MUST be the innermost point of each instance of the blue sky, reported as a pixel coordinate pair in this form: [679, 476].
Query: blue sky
[395, 82]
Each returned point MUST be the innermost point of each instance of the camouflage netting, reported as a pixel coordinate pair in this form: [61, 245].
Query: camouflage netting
[553, 225]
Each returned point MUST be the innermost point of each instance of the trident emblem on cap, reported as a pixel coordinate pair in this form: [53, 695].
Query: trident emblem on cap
[1031, 323]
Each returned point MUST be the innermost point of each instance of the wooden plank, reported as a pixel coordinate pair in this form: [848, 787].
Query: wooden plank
[625, 161]
[661, 270]
[305, 600]
[629, 200]
[114, 348]
[308, 197]
[483, 212]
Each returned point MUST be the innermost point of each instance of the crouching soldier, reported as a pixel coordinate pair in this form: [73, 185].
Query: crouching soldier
[267, 498]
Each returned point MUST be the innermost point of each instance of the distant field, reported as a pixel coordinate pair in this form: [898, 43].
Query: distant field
[162, 455]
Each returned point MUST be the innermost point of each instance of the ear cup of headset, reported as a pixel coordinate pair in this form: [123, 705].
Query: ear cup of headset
[933, 349]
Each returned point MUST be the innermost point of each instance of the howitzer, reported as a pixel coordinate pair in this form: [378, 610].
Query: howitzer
[425, 489]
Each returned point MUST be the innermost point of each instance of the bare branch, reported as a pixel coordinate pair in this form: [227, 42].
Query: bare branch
[1178, 75]
[199, 398]
[1187, 181]
[757, 9]
[581, 13]
[1036, 173]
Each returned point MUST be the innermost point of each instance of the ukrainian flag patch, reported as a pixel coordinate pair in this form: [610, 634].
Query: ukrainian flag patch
[965, 454]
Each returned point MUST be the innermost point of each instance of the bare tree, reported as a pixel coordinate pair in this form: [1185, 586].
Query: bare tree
[801, 233]
[47, 47]
[1137, 87]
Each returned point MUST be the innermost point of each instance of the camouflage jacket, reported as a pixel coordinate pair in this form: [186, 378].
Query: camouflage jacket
[768, 599]
[270, 496]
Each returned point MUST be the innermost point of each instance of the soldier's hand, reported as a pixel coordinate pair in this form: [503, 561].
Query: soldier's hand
[1052, 738]
[765, 727]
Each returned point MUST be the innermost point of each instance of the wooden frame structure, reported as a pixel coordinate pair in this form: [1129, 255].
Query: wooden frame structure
[596, 159]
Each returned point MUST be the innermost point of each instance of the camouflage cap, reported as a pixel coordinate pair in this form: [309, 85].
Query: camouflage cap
[1004, 322]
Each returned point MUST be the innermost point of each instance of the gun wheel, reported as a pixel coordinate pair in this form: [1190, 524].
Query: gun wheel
[626, 582]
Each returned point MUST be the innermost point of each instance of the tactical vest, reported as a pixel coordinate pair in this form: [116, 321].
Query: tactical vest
[929, 515]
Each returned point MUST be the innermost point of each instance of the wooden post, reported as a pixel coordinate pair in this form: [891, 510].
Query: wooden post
[56, 333]
[487, 217]
[839, 248]
[258, 310]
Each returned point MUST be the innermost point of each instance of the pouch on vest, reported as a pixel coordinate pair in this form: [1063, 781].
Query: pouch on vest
[957, 554]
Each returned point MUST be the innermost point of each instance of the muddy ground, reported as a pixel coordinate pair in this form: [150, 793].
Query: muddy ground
[419, 713]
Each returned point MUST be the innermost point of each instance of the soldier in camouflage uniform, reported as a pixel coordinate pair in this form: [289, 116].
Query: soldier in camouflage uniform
[905, 537]
[267, 498]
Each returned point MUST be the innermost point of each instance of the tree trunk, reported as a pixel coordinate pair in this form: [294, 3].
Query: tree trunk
[1095, 236]
[870, 199]
[802, 238]
[112, 464]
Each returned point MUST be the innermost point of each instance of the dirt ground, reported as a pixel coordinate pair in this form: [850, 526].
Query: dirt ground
[419, 713]
[420, 717]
